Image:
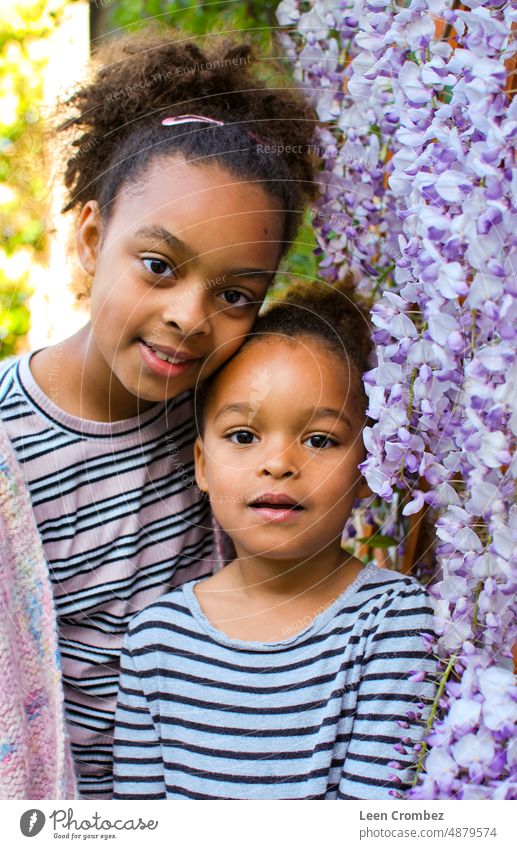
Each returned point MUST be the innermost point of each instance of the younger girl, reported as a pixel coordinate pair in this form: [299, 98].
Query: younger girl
[286, 674]
[186, 204]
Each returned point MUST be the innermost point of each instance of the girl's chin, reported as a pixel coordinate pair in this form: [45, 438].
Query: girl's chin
[151, 391]
[275, 554]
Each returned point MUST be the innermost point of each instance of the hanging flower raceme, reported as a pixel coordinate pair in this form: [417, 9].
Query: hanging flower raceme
[420, 200]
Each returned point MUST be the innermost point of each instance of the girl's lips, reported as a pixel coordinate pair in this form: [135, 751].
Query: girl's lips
[276, 507]
[276, 514]
[162, 367]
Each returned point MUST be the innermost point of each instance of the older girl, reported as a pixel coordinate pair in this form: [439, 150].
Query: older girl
[183, 217]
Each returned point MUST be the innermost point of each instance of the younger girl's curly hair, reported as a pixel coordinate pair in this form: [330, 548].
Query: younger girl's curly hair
[333, 315]
[142, 77]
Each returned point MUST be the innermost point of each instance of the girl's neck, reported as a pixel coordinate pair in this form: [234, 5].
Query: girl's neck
[262, 600]
[319, 575]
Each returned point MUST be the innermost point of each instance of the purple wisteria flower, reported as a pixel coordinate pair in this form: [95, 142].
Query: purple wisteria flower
[420, 201]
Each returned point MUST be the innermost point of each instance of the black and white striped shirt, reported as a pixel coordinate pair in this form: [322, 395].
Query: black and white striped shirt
[205, 716]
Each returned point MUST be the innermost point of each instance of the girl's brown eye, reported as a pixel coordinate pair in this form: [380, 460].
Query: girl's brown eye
[157, 266]
[235, 299]
[241, 437]
[320, 440]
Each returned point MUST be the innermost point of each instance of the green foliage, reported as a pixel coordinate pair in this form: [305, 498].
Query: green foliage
[197, 18]
[299, 263]
[24, 25]
[14, 315]
[378, 541]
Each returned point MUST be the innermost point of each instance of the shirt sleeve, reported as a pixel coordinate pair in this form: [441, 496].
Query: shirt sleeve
[394, 648]
[137, 754]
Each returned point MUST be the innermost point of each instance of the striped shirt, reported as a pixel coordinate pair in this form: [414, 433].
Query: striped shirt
[121, 523]
[202, 715]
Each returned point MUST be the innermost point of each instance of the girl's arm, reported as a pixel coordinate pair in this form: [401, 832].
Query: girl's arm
[137, 761]
[394, 648]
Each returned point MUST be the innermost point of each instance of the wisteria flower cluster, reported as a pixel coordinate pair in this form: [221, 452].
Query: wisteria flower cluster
[420, 200]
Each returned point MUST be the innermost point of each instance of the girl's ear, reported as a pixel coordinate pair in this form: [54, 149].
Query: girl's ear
[88, 235]
[199, 461]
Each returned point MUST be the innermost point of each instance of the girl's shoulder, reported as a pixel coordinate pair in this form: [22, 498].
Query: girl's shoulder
[392, 581]
[10, 359]
[8, 363]
[394, 605]
[385, 590]
[169, 615]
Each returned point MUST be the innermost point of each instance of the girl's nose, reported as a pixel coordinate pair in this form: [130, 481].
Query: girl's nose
[186, 310]
[281, 463]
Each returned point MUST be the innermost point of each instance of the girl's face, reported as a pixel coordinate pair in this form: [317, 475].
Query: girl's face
[281, 444]
[179, 273]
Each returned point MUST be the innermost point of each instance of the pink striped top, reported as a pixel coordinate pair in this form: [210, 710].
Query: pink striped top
[122, 522]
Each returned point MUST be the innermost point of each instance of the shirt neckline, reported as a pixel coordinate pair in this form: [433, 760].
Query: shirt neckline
[314, 627]
[123, 429]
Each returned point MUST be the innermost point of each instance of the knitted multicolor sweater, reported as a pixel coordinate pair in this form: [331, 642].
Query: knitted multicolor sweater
[35, 761]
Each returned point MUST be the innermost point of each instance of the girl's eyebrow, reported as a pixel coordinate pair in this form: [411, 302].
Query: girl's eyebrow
[242, 408]
[161, 234]
[310, 415]
[329, 412]
[156, 231]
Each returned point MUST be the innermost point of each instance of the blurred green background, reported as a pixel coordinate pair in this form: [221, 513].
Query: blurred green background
[25, 206]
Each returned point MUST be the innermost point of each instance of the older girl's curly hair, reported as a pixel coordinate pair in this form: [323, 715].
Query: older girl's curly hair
[115, 120]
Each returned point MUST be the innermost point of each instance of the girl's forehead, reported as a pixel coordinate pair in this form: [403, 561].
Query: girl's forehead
[281, 370]
[175, 176]
[205, 206]
[293, 352]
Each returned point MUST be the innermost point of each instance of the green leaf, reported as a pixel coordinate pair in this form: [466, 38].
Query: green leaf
[378, 541]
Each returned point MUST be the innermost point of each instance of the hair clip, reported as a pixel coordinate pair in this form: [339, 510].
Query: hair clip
[185, 119]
